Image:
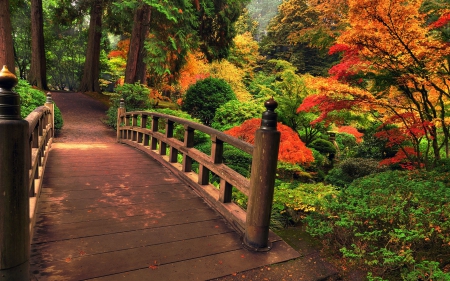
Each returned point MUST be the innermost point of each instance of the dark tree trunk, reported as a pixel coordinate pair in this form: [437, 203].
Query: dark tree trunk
[91, 73]
[6, 41]
[38, 74]
[136, 69]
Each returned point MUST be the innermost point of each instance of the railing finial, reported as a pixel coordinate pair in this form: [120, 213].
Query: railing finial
[9, 101]
[269, 117]
[7, 79]
[49, 98]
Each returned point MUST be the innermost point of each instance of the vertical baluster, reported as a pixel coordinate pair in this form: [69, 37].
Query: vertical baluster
[127, 123]
[173, 154]
[134, 124]
[188, 142]
[146, 140]
[51, 117]
[143, 138]
[226, 190]
[155, 120]
[169, 134]
[120, 119]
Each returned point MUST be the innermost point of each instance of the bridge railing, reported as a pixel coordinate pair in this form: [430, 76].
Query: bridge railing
[24, 146]
[140, 129]
[40, 137]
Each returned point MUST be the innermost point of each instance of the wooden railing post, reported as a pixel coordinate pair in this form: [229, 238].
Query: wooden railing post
[51, 119]
[121, 110]
[262, 180]
[14, 202]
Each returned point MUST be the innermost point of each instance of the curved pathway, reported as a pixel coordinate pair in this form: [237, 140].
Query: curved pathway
[82, 117]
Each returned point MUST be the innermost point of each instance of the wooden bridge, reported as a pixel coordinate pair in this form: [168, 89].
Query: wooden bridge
[134, 209]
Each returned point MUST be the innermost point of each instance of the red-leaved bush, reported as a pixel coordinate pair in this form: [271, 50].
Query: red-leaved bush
[292, 149]
[352, 131]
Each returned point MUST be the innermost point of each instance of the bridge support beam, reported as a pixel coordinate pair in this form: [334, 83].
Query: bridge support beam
[262, 181]
[14, 168]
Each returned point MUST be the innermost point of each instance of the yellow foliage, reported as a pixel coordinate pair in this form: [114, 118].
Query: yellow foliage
[233, 76]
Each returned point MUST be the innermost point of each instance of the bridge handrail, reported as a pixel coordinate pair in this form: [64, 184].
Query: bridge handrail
[211, 162]
[25, 146]
[155, 143]
[40, 137]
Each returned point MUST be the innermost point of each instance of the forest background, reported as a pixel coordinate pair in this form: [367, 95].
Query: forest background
[363, 88]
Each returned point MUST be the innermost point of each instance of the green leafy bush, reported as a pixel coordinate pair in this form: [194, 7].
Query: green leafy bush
[323, 146]
[234, 113]
[442, 165]
[295, 200]
[347, 145]
[204, 97]
[30, 99]
[289, 172]
[388, 223]
[136, 97]
[352, 168]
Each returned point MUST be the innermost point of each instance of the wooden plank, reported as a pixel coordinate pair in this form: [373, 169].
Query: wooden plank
[110, 180]
[210, 267]
[55, 232]
[60, 215]
[71, 248]
[170, 190]
[105, 201]
[91, 266]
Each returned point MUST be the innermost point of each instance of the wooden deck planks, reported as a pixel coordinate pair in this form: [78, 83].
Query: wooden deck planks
[102, 217]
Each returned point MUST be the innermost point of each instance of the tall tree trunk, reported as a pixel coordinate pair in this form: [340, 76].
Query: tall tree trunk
[6, 41]
[91, 73]
[136, 69]
[38, 72]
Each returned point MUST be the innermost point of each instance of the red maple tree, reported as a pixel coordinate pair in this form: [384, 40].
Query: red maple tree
[292, 149]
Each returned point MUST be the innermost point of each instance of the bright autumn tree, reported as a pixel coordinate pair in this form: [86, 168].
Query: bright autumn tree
[403, 62]
[292, 149]
[193, 70]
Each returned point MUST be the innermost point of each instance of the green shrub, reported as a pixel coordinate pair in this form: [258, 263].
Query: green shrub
[136, 97]
[347, 145]
[204, 97]
[237, 159]
[323, 146]
[352, 168]
[373, 147]
[289, 172]
[442, 165]
[295, 200]
[234, 113]
[388, 223]
[30, 99]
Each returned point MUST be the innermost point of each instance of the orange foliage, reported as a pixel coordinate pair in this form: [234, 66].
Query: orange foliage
[292, 149]
[122, 49]
[335, 96]
[192, 71]
[352, 131]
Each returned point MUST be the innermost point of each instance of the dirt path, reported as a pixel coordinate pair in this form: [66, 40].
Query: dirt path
[82, 117]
